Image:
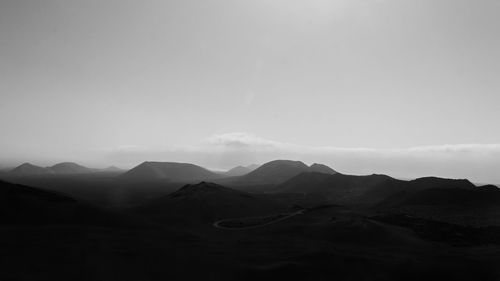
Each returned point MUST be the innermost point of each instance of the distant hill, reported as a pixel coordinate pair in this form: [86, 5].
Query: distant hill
[28, 169]
[275, 171]
[240, 170]
[208, 202]
[237, 171]
[112, 169]
[364, 190]
[70, 168]
[320, 168]
[278, 171]
[342, 188]
[64, 168]
[170, 171]
[253, 166]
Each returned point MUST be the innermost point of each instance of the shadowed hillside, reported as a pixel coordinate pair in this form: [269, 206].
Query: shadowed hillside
[273, 173]
[240, 171]
[363, 190]
[209, 202]
[468, 206]
[64, 168]
[70, 168]
[25, 205]
[28, 169]
[169, 171]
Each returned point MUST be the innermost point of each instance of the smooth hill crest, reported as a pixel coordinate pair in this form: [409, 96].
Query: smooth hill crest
[273, 172]
[240, 170]
[64, 168]
[169, 171]
[366, 190]
[206, 201]
[279, 171]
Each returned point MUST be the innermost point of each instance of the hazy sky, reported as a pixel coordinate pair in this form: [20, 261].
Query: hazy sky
[116, 82]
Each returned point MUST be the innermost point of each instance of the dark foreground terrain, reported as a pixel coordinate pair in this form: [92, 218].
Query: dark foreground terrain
[314, 227]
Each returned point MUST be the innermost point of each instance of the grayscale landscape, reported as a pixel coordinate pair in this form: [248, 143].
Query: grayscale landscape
[249, 140]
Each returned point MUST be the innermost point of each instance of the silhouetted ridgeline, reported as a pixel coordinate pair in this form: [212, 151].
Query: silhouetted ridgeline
[282, 221]
[176, 172]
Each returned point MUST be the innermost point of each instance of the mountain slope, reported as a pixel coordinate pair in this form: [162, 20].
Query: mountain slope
[29, 169]
[307, 182]
[24, 205]
[320, 168]
[237, 171]
[171, 171]
[70, 168]
[208, 202]
[64, 168]
[278, 171]
[364, 190]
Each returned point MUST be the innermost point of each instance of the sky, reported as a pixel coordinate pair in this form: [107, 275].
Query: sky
[408, 88]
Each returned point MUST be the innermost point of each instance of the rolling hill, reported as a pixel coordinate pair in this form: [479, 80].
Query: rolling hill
[70, 168]
[237, 171]
[278, 171]
[64, 168]
[208, 202]
[363, 190]
[168, 171]
[320, 168]
[29, 169]
[24, 205]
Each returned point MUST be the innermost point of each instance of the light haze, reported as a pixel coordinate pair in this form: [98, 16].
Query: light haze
[120, 82]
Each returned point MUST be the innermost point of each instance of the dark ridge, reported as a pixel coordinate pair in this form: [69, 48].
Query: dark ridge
[24, 205]
[28, 168]
[69, 168]
[238, 171]
[320, 168]
[207, 202]
[275, 172]
[171, 171]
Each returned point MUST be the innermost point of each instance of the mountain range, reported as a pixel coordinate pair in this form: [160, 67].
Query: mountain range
[240, 170]
[364, 190]
[64, 168]
[306, 223]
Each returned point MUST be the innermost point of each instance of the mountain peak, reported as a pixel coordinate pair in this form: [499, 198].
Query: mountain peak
[69, 168]
[112, 169]
[172, 171]
[276, 172]
[238, 171]
[28, 168]
[284, 162]
[320, 168]
[27, 164]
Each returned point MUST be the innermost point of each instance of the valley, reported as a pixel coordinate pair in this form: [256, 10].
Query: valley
[301, 224]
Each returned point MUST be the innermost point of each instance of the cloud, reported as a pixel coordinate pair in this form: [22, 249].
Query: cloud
[478, 162]
[241, 140]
